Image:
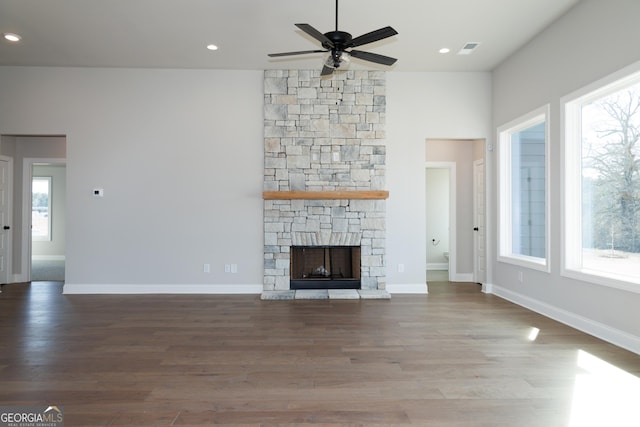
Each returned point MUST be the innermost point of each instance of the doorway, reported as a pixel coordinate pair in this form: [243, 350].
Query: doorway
[23, 152]
[47, 218]
[440, 184]
[465, 260]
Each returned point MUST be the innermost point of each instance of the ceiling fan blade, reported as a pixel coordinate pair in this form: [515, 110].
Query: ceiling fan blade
[373, 57]
[315, 34]
[300, 52]
[326, 71]
[373, 36]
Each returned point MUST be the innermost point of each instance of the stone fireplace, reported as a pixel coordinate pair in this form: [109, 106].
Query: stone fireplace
[324, 179]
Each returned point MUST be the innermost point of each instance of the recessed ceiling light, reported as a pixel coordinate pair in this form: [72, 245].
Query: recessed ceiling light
[11, 37]
[445, 50]
[212, 47]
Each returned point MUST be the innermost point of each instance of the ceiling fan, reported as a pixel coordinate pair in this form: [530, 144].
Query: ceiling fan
[336, 42]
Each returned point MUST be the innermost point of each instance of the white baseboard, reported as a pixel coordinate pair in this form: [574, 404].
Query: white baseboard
[437, 266]
[589, 326]
[463, 277]
[75, 288]
[408, 288]
[48, 257]
[123, 289]
[18, 278]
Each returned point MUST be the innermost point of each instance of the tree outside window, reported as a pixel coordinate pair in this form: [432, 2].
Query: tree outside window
[603, 150]
[611, 178]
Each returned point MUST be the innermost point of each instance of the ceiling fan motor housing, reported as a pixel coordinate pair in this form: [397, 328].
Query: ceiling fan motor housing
[340, 40]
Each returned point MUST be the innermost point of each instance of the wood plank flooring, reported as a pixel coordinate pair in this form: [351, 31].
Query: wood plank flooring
[454, 357]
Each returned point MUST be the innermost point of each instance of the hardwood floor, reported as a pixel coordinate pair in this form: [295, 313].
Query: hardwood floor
[454, 357]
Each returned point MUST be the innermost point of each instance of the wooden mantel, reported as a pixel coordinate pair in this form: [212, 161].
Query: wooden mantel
[326, 195]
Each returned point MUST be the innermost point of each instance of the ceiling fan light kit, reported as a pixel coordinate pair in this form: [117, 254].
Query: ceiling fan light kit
[337, 42]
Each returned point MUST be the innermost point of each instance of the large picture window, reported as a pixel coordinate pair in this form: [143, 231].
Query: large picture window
[523, 191]
[602, 182]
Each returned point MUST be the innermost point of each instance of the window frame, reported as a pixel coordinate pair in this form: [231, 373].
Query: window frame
[505, 185]
[571, 178]
[48, 236]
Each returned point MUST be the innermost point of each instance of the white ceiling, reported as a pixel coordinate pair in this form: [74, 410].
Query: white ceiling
[174, 33]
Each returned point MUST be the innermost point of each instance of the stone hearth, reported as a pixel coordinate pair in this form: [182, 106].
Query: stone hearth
[324, 135]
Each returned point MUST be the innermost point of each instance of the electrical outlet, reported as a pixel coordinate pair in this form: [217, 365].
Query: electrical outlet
[227, 268]
[206, 268]
[234, 268]
[400, 268]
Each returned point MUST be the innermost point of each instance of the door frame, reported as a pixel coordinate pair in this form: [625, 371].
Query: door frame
[476, 265]
[27, 174]
[451, 166]
[9, 276]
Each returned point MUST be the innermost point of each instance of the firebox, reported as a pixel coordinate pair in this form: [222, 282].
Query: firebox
[325, 267]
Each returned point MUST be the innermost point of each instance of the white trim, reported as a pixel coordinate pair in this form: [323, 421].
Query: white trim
[476, 240]
[9, 242]
[452, 211]
[408, 288]
[505, 182]
[462, 277]
[602, 278]
[487, 288]
[48, 257]
[584, 324]
[437, 266]
[178, 288]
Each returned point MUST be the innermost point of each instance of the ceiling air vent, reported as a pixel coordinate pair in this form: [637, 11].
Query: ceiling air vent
[468, 48]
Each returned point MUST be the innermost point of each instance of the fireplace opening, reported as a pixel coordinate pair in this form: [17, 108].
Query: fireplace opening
[325, 267]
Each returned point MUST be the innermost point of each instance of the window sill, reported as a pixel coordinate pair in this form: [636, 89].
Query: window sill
[603, 279]
[526, 262]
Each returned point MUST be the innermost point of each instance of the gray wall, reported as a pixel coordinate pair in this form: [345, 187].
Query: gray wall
[179, 154]
[423, 106]
[594, 39]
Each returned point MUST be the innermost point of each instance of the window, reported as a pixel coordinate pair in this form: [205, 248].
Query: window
[41, 208]
[523, 213]
[602, 182]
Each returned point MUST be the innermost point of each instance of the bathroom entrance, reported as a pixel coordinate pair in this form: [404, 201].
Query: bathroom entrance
[438, 185]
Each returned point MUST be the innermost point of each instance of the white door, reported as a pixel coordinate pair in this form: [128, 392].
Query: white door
[479, 235]
[5, 220]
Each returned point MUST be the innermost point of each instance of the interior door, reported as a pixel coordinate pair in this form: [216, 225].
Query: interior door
[5, 220]
[479, 214]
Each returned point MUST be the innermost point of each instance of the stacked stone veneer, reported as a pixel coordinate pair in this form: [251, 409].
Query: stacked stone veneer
[324, 134]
